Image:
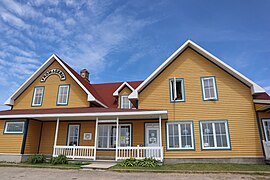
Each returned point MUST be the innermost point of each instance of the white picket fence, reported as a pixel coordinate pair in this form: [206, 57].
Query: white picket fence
[266, 145]
[75, 152]
[139, 152]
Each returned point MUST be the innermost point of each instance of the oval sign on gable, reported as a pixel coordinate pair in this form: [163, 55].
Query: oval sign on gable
[58, 72]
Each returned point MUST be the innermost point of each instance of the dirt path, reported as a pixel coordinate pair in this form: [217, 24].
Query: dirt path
[39, 174]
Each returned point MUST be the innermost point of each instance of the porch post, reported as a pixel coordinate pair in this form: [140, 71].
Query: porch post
[116, 142]
[95, 151]
[160, 138]
[55, 136]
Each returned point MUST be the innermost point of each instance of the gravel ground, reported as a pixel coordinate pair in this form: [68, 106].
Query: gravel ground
[39, 174]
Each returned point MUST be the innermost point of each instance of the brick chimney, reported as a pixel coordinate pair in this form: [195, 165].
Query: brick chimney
[85, 75]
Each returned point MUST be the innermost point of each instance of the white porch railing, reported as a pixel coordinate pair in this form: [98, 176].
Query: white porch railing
[75, 152]
[266, 145]
[139, 153]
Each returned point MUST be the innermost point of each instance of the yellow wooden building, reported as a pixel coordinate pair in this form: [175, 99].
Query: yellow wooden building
[192, 108]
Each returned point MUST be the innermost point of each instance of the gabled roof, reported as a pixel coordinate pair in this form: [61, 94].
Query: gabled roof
[92, 95]
[106, 90]
[255, 88]
[116, 92]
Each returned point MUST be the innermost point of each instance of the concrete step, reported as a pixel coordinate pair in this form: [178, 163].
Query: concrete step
[101, 165]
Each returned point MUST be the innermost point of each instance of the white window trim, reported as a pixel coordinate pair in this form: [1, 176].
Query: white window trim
[34, 96]
[215, 88]
[70, 125]
[118, 135]
[214, 135]
[14, 132]
[179, 132]
[182, 89]
[264, 129]
[63, 85]
[121, 99]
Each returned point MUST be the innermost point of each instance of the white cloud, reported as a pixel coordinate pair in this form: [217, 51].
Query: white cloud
[13, 20]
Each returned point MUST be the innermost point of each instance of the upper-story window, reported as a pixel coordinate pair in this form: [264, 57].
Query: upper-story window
[63, 94]
[177, 93]
[38, 96]
[125, 102]
[209, 88]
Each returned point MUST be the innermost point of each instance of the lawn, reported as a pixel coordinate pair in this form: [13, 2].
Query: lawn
[203, 167]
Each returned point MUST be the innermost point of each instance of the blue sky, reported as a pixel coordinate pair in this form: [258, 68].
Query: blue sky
[127, 40]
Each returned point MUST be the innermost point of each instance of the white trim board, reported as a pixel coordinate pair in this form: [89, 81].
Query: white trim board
[255, 88]
[45, 65]
[98, 114]
[116, 92]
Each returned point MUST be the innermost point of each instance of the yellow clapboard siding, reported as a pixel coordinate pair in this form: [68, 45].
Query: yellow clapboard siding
[234, 104]
[9, 143]
[48, 132]
[77, 97]
[33, 137]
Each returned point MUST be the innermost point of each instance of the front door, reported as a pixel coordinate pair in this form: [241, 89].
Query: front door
[152, 135]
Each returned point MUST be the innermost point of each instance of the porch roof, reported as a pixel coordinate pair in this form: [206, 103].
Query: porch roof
[83, 113]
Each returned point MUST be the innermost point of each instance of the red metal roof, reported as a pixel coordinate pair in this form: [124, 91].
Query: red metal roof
[102, 92]
[69, 110]
[262, 96]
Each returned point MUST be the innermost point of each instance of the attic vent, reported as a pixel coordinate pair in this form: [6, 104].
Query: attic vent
[85, 75]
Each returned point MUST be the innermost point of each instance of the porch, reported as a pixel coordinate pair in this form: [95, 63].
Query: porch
[112, 139]
[91, 133]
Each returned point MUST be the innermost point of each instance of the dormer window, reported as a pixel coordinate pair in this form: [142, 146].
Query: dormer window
[38, 96]
[125, 102]
[63, 93]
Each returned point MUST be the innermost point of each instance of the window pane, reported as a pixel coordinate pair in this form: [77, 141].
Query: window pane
[186, 136]
[124, 138]
[209, 88]
[73, 135]
[38, 93]
[63, 94]
[173, 136]
[125, 103]
[14, 127]
[267, 130]
[179, 87]
[208, 136]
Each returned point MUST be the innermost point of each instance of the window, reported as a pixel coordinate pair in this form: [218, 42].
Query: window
[125, 102]
[214, 135]
[266, 128]
[180, 135]
[14, 127]
[73, 135]
[38, 96]
[209, 88]
[177, 93]
[107, 136]
[63, 93]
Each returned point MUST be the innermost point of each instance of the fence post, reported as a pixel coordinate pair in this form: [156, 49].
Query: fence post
[138, 151]
[73, 153]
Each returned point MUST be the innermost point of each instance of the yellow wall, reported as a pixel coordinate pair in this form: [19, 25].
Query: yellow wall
[33, 137]
[234, 104]
[48, 132]
[9, 143]
[77, 97]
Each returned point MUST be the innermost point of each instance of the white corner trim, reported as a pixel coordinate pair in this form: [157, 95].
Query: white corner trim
[134, 95]
[98, 114]
[255, 88]
[261, 101]
[10, 100]
[116, 92]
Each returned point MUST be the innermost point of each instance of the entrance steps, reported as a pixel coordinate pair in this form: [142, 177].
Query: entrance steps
[99, 164]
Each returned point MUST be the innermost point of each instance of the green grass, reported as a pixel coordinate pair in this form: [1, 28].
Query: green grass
[70, 165]
[204, 167]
